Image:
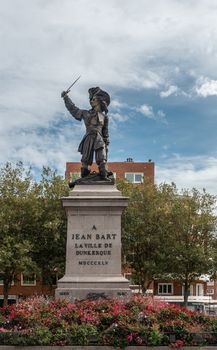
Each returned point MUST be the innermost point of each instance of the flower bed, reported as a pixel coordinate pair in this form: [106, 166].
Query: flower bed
[116, 323]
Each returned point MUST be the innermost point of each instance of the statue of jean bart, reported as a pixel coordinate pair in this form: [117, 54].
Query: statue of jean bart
[96, 139]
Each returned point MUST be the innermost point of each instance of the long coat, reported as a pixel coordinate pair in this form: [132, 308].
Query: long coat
[96, 123]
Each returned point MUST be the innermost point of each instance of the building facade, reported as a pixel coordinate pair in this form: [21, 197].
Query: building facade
[202, 293]
[134, 172]
[26, 285]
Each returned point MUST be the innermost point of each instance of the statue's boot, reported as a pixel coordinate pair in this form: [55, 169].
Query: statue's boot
[103, 172]
[84, 172]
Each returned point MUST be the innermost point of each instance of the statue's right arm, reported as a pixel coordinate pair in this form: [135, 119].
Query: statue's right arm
[73, 110]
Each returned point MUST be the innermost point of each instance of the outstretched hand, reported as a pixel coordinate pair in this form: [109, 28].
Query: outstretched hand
[63, 94]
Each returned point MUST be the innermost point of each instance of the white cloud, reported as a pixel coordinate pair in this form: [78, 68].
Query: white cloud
[117, 105]
[148, 112]
[172, 89]
[161, 115]
[148, 80]
[206, 87]
[118, 117]
[115, 118]
[188, 172]
[43, 148]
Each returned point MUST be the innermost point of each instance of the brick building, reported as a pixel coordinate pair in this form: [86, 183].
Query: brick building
[211, 289]
[132, 171]
[24, 286]
[173, 292]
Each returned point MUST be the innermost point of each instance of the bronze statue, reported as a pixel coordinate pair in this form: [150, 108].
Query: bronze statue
[96, 139]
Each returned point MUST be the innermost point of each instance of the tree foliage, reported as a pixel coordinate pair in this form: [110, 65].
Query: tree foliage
[49, 239]
[192, 235]
[17, 193]
[32, 223]
[145, 229]
[167, 232]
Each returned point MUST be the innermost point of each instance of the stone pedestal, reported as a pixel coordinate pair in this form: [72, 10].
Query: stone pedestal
[93, 254]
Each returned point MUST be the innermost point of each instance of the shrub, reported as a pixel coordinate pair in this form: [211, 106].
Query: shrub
[139, 321]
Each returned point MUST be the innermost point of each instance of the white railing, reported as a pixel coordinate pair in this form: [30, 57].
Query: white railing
[180, 298]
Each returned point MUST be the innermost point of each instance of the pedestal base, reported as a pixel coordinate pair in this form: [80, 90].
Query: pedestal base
[86, 288]
[93, 254]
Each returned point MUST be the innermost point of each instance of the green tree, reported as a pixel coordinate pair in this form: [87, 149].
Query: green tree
[168, 233]
[17, 194]
[32, 224]
[49, 238]
[14, 259]
[145, 229]
[192, 235]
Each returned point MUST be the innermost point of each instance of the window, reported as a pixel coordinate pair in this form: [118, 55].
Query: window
[136, 178]
[165, 288]
[28, 279]
[1, 280]
[74, 176]
[190, 292]
[199, 289]
[210, 291]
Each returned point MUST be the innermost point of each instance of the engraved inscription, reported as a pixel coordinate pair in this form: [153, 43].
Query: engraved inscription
[95, 246]
[92, 262]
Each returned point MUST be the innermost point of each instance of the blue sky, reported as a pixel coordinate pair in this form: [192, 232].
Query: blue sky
[156, 59]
